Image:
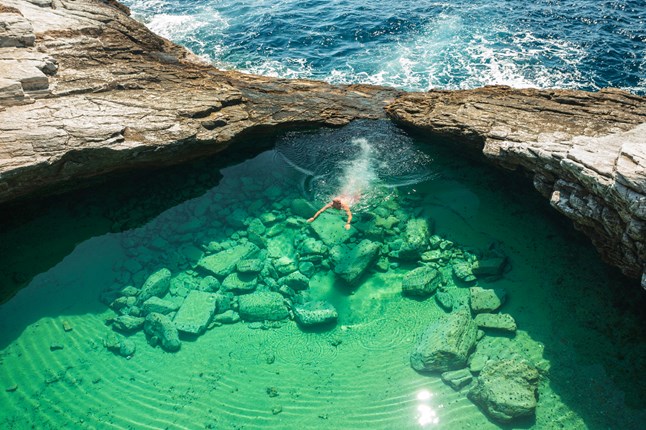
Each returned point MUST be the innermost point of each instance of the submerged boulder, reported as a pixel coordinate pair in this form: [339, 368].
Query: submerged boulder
[224, 262]
[506, 390]
[161, 329]
[502, 322]
[157, 284]
[351, 262]
[262, 306]
[196, 312]
[486, 300]
[445, 344]
[492, 266]
[161, 306]
[421, 282]
[127, 323]
[330, 229]
[240, 282]
[416, 239]
[314, 313]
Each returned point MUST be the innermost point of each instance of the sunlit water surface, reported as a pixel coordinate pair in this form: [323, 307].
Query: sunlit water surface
[577, 318]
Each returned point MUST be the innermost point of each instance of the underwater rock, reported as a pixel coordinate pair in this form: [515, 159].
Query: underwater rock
[224, 262]
[462, 271]
[352, 261]
[421, 282]
[302, 208]
[314, 313]
[492, 266]
[486, 300]
[157, 284]
[240, 282]
[262, 306]
[307, 268]
[416, 237]
[209, 284]
[502, 322]
[296, 281]
[250, 266]
[506, 390]
[127, 348]
[130, 291]
[227, 317]
[457, 379]
[161, 329]
[285, 265]
[445, 300]
[445, 344]
[160, 306]
[196, 312]
[119, 345]
[127, 323]
[256, 227]
[312, 246]
[330, 229]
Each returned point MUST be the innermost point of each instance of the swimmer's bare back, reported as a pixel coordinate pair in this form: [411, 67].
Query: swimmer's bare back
[336, 203]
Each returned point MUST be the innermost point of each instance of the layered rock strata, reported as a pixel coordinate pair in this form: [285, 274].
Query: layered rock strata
[86, 90]
[585, 151]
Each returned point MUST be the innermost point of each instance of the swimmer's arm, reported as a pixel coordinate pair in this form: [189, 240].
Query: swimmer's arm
[323, 209]
[347, 210]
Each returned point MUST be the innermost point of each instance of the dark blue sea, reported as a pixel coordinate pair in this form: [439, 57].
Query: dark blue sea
[416, 45]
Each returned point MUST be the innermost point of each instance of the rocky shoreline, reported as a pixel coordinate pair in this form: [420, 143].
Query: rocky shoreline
[86, 90]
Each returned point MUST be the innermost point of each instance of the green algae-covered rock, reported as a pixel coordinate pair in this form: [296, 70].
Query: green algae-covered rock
[262, 306]
[295, 280]
[314, 313]
[302, 208]
[254, 265]
[127, 323]
[157, 284]
[416, 237]
[240, 283]
[486, 300]
[330, 228]
[196, 312]
[160, 329]
[224, 262]
[501, 322]
[506, 390]
[421, 282]
[445, 344]
[352, 261]
[161, 306]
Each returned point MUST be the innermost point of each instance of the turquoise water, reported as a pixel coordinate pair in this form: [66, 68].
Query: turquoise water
[416, 45]
[578, 320]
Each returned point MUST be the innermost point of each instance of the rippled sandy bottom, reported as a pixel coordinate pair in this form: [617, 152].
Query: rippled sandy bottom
[356, 375]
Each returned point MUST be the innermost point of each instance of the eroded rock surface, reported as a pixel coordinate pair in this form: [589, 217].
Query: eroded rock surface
[86, 90]
[585, 151]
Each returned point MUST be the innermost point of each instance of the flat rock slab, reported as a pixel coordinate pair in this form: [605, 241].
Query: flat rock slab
[262, 306]
[493, 266]
[445, 344]
[457, 379]
[161, 306]
[330, 228]
[502, 322]
[486, 300]
[506, 390]
[196, 312]
[224, 262]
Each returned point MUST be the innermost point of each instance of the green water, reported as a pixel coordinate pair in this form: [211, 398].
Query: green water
[578, 320]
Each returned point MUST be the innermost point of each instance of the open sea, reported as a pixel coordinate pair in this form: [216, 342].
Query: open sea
[416, 44]
[95, 283]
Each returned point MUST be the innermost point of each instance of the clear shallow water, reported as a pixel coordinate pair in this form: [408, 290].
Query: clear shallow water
[416, 45]
[575, 315]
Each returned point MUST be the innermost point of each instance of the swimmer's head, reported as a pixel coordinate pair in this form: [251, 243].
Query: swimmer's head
[336, 203]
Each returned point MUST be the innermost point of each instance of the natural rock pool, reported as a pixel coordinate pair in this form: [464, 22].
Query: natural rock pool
[289, 324]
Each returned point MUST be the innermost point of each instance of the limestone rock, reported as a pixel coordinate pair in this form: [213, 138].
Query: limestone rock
[445, 300]
[492, 266]
[506, 390]
[457, 379]
[421, 282]
[196, 312]
[463, 271]
[161, 329]
[330, 228]
[296, 281]
[15, 30]
[127, 323]
[227, 317]
[156, 284]
[416, 239]
[240, 282]
[352, 261]
[486, 300]
[250, 266]
[502, 322]
[262, 306]
[445, 344]
[224, 262]
[160, 306]
[314, 313]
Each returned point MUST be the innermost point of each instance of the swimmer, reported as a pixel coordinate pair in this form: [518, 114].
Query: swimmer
[336, 203]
